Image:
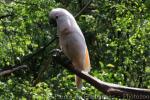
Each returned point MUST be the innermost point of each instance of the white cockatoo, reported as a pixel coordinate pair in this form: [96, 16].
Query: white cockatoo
[71, 41]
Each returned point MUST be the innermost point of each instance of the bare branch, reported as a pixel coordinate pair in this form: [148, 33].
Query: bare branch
[9, 71]
[109, 89]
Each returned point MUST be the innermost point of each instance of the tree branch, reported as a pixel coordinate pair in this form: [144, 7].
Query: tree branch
[109, 89]
[79, 13]
[27, 57]
[9, 71]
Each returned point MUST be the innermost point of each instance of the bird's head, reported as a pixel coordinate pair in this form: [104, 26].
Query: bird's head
[59, 14]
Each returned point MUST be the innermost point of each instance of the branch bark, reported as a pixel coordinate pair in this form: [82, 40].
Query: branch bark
[109, 89]
[9, 71]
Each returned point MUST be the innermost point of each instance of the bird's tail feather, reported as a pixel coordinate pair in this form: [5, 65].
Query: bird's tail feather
[78, 81]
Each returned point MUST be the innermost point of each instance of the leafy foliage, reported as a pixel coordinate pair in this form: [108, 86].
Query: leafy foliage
[117, 33]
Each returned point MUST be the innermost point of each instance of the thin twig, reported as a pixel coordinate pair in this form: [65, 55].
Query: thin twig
[79, 13]
[38, 51]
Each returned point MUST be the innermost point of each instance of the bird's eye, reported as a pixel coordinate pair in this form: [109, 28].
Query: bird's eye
[56, 17]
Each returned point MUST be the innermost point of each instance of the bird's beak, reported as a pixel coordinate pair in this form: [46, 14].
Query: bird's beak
[52, 22]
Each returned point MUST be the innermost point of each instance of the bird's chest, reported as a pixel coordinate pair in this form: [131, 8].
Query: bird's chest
[65, 41]
[72, 45]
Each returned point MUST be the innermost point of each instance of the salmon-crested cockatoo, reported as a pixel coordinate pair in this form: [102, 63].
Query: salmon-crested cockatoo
[71, 41]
